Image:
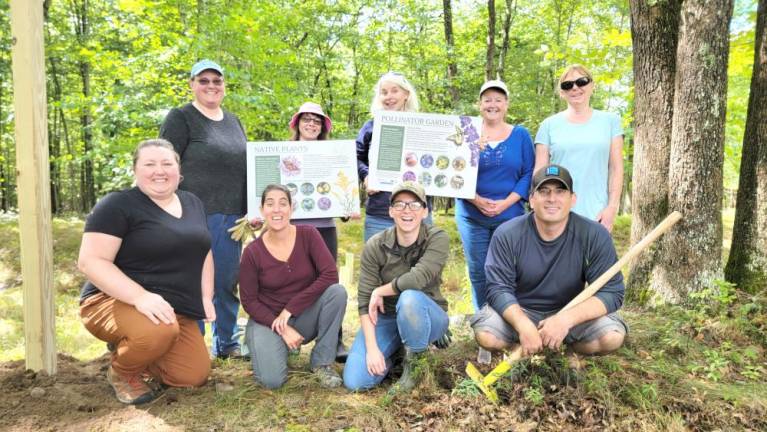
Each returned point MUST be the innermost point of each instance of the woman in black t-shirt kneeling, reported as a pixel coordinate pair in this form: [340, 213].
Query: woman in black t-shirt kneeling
[146, 254]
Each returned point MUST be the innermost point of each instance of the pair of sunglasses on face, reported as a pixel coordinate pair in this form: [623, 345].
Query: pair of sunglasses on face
[580, 82]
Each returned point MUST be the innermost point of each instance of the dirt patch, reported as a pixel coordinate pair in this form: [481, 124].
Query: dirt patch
[548, 393]
[70, 400]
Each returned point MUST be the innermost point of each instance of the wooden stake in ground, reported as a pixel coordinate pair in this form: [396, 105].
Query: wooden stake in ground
[485, 382]
[33, 183]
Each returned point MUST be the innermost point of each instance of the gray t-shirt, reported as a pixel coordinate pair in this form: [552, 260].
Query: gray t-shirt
[212, 157]
[524, 269]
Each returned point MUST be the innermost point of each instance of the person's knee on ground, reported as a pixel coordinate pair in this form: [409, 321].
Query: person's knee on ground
[607, 343]
[188, 377]
[489, 341]
[271, 380]
[358, 380]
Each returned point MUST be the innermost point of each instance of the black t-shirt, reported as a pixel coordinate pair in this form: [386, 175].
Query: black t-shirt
[160, 252]
[212, 157]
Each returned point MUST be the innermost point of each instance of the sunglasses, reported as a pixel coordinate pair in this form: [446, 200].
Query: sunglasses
[218, 82]
[580, 82]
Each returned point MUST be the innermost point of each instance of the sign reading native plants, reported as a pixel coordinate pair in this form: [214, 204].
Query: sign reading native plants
[321, 176]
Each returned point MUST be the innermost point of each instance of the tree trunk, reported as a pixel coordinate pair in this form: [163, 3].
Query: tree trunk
[4, 189]
[511, 12]
[654, 33]
[351, 121]
[692, 251]
[747, 264]
[452, 66]
[490, 61]
[55, 128]
[82, 30]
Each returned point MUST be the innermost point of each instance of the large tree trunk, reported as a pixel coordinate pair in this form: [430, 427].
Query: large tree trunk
[747, 264]
[511, 12]
[490, 56]
[654, 33]
[452, 66]
[692, 252]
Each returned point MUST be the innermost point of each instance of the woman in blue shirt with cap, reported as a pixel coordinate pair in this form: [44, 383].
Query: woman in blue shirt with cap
[211, 142]
[503, 181]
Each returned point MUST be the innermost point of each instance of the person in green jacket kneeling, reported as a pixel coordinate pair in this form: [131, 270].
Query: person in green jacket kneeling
[399, 298]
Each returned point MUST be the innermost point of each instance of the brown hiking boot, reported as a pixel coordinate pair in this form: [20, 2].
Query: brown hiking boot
[129, 390]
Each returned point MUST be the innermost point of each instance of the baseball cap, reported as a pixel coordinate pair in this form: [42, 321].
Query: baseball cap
[409, 186]
[494, 84]
[204, 65]
[553, 172]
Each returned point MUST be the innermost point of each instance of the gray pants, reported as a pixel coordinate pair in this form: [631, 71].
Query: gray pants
[487, 319]
[320, 322]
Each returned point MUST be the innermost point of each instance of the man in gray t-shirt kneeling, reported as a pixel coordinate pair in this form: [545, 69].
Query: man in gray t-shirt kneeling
[537, 263]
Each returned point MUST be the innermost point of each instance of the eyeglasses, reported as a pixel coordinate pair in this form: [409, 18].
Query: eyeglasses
[412, 205]
[218, 82]
[311, 120]
[580, 82]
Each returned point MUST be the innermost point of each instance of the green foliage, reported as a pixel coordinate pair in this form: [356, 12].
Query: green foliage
[136, 55]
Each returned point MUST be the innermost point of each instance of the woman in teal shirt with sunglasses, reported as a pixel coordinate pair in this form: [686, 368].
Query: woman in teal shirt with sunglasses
[589, 143]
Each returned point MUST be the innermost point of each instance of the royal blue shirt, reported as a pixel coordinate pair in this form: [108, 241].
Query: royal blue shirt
[504, 169]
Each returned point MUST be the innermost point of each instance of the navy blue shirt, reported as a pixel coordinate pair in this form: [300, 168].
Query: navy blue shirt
[524, 269]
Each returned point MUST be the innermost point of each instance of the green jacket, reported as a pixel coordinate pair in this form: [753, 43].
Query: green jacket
[418, 266]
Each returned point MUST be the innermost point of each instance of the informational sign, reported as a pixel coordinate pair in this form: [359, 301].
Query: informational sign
[321, 176]
[439, 151]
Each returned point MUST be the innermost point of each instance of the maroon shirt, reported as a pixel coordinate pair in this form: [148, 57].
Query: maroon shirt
[268, 285]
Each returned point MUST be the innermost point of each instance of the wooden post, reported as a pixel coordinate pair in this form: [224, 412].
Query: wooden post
[346, 276]
[33, 180]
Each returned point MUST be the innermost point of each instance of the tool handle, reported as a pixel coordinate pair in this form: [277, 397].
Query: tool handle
[633, 252]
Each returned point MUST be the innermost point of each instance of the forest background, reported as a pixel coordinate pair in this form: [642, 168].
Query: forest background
[115, 67]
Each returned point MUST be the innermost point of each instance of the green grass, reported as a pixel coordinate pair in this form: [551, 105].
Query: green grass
[700, 368]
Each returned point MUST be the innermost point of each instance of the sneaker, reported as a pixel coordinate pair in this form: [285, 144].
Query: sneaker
[234, 353]
[328, 376]
[129, 390]
[484, 356]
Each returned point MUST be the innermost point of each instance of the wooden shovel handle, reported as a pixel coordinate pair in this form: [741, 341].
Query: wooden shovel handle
[633, 252]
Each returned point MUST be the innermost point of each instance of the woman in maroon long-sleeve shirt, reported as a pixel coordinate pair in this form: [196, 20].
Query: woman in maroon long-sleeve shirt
[289, 287]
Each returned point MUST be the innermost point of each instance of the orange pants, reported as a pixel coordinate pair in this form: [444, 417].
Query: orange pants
[173, 353]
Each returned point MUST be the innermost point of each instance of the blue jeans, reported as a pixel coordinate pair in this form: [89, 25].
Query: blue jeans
[475, 236]
[226, 263]
[376, 224]
[417, 322]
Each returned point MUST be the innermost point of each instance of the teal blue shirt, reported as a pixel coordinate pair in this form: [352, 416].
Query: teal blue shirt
[584, 149]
